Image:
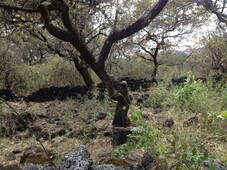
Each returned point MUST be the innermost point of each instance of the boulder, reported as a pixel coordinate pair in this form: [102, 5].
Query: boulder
[106, 167]
[77, 159]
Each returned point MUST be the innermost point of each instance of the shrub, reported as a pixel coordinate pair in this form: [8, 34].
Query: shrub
[143, 136]
[193, 96]
[160, 96]
[188, 150]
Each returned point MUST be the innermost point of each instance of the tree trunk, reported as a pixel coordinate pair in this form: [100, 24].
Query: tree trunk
[7, 81]
[121, 113]
[83, 70]
[118, 91]
[121, 120]
[154, 72]
[155, 61]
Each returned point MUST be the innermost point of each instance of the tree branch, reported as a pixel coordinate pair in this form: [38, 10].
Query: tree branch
[130, 30]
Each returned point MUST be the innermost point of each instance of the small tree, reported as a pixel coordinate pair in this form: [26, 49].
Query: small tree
[168, 30]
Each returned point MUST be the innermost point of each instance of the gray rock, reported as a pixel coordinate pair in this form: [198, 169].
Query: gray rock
[106, 167]
[147, 160]
[29, 166]
[100, 116]
[10, 156]
[207, 165]
[77, 159]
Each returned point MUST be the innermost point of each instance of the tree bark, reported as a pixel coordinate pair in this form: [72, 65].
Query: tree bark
[121, 118]
[155, 61]
[83, 70]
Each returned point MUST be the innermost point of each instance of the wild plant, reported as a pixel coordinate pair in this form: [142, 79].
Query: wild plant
[143, 136]
[193, 96]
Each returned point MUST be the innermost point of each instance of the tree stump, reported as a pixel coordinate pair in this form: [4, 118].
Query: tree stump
[120, 135]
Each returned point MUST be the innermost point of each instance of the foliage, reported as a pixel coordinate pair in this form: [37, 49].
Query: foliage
[193, 96]
[143, 136]
[131, 67]
[57, 72]
[188, 151]
[160, 96]
[182, 149]
[223, 99]
[214, 53]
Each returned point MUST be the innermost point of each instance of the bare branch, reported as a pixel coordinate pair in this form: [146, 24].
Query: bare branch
[130, 30]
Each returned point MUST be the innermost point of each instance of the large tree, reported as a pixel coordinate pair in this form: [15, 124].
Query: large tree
[58, 17]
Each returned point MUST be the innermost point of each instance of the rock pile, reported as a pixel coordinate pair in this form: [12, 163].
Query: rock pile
[57, 93]
[62, 93]
[8, 95]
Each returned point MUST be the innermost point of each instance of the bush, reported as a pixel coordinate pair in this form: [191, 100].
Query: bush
[55, 72]
[193, 96]
[143, 136]
[189, 151]
[160, 96]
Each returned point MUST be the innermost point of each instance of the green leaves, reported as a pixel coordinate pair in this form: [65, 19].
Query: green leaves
[136, 116]
[224, 114]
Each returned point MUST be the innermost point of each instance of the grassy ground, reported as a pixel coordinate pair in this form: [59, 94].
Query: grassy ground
[199, 131]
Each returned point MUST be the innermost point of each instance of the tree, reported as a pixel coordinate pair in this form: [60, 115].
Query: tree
[179, 19]
[217, 7]
[215, 53]
[57, 18]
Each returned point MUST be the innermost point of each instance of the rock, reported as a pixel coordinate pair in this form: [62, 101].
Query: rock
[137, 166]
[168, 122]
[157, 110]
[39, 131]
[100, 116]
[10, 156]
[36, 155]
[106, 167]
[119, 163]
[11, 167]
[77, 159]
[62, 93]
[16, 151]
[76, 133]
[147, 160]
[15, 123]
[145, 116]
[179, 81]
[8, 95]
[191, 121]
[162, 165]
[1, 166]
[29, 166]
[213, 164]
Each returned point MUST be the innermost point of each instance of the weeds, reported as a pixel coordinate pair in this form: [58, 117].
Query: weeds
[192, 96]
[142, 136]
[188, 151]
[160, 97]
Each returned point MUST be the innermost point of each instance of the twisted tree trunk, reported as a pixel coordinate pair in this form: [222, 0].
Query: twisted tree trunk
[83, 70]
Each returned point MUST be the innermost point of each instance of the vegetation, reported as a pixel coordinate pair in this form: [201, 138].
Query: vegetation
[184, 147]
[65, 43]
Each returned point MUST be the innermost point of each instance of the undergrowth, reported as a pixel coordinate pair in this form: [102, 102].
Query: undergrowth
[182, 147]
